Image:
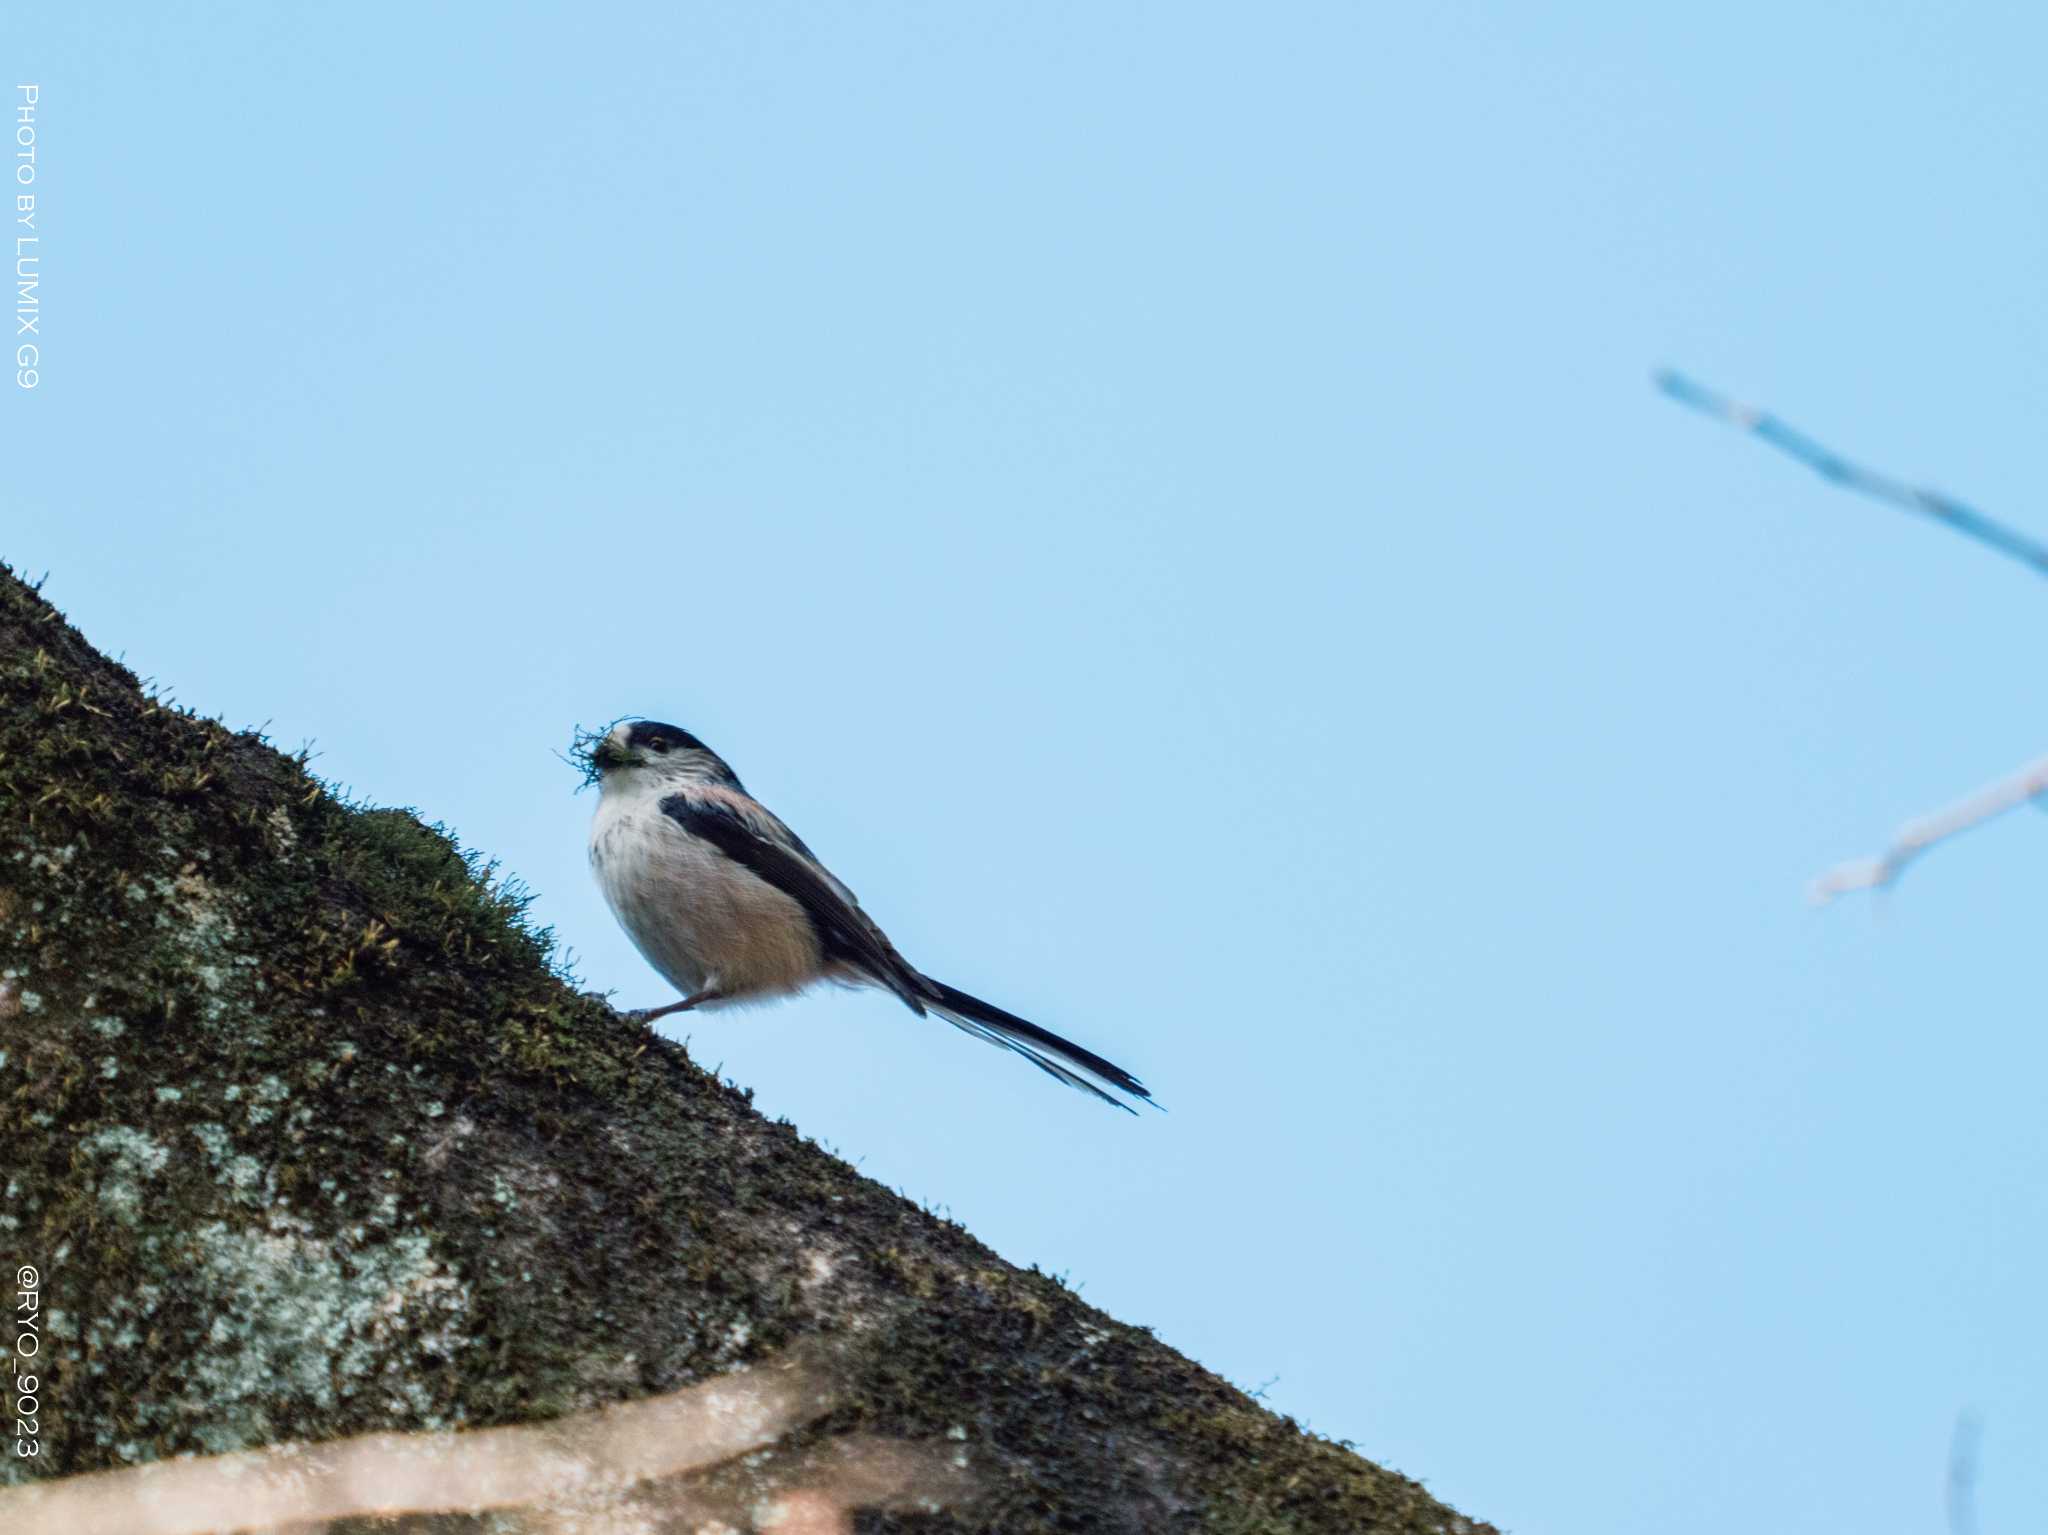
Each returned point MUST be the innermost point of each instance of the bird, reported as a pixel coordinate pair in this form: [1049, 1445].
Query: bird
[731, 907]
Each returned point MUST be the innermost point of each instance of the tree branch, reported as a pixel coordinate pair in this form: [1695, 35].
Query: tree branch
[1916, 837]
[239, 1227]
[1830, 465]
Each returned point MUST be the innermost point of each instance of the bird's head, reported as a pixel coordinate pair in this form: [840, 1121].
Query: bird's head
[649, 753]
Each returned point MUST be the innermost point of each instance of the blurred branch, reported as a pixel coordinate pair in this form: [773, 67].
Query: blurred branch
[1829, 464]
[1962, 1474]
[1916, 837]
[567, 1471]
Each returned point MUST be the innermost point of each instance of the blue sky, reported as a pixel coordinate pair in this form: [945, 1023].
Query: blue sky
[1168, 501]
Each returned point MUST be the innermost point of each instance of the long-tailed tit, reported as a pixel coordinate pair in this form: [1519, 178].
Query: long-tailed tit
[730, 906]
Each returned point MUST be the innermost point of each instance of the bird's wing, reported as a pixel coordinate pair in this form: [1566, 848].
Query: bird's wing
[750, 836]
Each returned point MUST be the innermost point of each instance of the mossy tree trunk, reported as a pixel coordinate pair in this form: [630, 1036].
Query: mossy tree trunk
[306, 1138]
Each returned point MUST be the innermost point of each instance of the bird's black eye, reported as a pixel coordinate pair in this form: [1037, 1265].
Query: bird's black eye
[659, 745]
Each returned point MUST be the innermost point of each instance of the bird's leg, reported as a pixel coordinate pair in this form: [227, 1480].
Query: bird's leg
[649, 1014]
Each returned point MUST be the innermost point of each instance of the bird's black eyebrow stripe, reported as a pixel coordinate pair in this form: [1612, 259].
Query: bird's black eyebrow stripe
[647, 732]
[843, 932]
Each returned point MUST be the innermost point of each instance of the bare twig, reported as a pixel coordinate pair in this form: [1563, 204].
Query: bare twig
[1916, 837]
[1966, 520]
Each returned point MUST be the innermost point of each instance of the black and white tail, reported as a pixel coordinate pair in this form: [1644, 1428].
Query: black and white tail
[1044, 1049]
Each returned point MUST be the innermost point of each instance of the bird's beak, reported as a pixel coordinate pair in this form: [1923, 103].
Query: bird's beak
[608, 754]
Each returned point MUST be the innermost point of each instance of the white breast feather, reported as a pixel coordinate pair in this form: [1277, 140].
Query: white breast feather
[697, 917]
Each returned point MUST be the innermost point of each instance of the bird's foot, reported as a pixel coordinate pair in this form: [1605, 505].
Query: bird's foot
[649, 1014]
